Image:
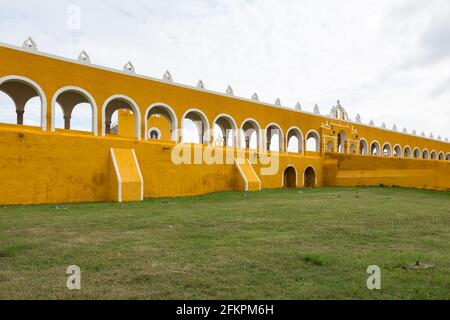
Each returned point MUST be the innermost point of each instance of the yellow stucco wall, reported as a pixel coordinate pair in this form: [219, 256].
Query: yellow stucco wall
[45, 166]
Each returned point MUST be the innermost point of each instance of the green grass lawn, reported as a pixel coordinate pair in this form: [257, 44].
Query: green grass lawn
[274, 244]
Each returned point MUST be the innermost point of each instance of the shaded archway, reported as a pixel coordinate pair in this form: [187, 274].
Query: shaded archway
[352, 148]
[313, 141]
[224, 131]
[387, 150]
[194, 127]
[397, 151]
[294, 140]
[274, 138]
[26, 95]
[329, 147]
[375, 149]
[290, 177]
[425, 154]
[447, 157]
[73, 101]
[441, 156]
[116, 103]
[416, 153]
[309, 178]
[342, 137]
[407, 153]
[363, 147]
[250, 134]
[433, 155]
[161, 116]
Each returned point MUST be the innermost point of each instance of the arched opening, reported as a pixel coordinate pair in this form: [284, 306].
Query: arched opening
[425, 154]
[363, 147]
[312, 141]
[447, 157]
[416, 153]
[224, 131]
[387, 150]
[433, 155]
[71, 107]
[309, 178]
[290, 177]
[441, 156]
[195, 127]
[161, 117]
[342, 137]
[375, 149]
[26, 99]
[154, 134]
[353, 148]
[274, 138]
[407, 152]
[121, 117]
[294, 140]
[250, 135]
[397, 151]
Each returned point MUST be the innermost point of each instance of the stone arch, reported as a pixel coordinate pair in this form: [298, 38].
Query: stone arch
[294, 132]
[447, 157]
[352, 148]
[69, 98]
[160, 109]
[269, 133]
[21, 90]
[441, 156]
[375, 149]
[425, 154]
[417, 153]
[310, 136]
[397, 151]
[201, 123]
[342, 138]
[329, 146]
[248, 128]
[407, 153]
[154, 133]
[228, 130]
[387, 150]
[309, 177]
[115, 103]
[289, 177]
[433, 155]
[363, 146]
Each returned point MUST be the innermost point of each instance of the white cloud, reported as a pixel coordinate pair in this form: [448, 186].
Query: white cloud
[385, 60]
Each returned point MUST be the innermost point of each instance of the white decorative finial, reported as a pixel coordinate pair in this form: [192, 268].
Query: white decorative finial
[167, 76]
[405, 130]
[358, 118]
[30, 44]
[298, 106]
[414, 132]
[371, 123]
[129, 67]
[229, 91]
[439, 138]
[83, 57]
[383, 125]
[255, 97]
[394, 127]
[338, 104]
[200, 84]
[278, 102]
[446, 139]
[431, 135]
[423, 134]
[316, 109]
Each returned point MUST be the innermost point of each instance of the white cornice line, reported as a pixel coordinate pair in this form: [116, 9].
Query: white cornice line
[144, 77]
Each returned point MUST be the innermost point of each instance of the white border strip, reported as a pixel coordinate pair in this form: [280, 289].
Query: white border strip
[140, 174]
[119, 179]
[242, 174]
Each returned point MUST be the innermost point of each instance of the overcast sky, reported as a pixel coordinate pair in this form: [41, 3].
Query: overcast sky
[387, 60]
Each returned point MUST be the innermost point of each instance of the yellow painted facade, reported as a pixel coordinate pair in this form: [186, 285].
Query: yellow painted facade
[44, 165]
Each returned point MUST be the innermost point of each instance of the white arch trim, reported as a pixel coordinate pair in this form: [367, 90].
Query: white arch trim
[172, 115]
[435, 153]
[391, 151]
[136, 112]
[258, 133]
[367, 146]
[40, 92]
[441, 156]
[154, 129]
[281, 136]
[410, 151]
[301, 139]
[428, 154]
[418, 150]
[317, 141]
[296, 175]
[87, 95]
[379, 148]
[401, 150]
[206, 135]
[233, 122]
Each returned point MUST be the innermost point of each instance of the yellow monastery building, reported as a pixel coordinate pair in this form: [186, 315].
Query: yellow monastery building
[242, 144]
